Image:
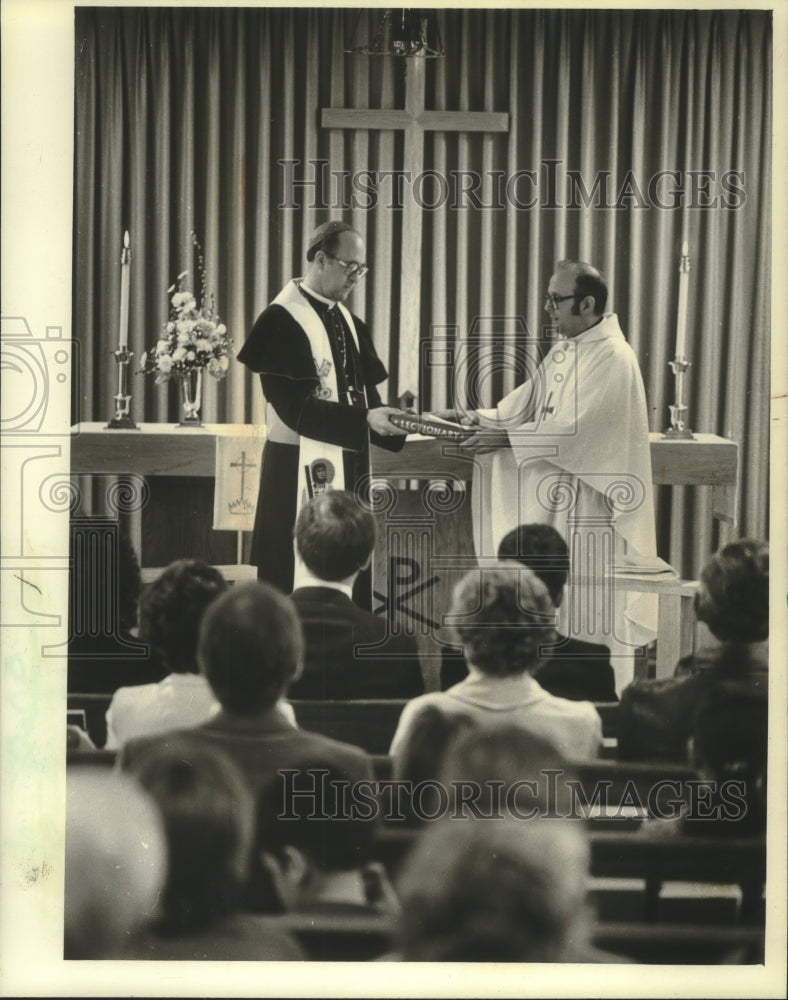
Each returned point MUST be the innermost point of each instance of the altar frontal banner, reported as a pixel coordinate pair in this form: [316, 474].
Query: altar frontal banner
[238, 458]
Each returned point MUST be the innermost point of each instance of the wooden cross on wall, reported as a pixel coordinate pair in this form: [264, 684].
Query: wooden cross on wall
[414, 121]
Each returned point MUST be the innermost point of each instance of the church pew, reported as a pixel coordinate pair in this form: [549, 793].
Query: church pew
[92, 758]
[617, 781]
[681, 944]
[362, 938]
[368, 723]
[371, 723]
[642, 866]
[232, 572]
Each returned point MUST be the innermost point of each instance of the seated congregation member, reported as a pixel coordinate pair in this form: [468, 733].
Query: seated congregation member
[514, 770]
[504, 616]
[432, 740]
[208, 815]
[250, 649]
[348, 652]
[104, 651]
[316, 840]
[432, 734]
[655, 716]
[728, 748]
[573, 668]
[115, 862]
[495, 891]
[170, 615]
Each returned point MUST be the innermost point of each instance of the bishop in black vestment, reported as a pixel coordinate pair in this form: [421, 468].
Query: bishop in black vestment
[331, 399]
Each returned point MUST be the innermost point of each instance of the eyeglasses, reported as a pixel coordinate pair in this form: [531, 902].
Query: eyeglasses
[350, 267]
[551, 300]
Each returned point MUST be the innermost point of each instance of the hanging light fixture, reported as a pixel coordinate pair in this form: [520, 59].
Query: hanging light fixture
[403, 32]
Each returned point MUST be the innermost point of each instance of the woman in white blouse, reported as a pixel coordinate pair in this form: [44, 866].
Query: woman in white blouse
[170, 614]
[505, 618]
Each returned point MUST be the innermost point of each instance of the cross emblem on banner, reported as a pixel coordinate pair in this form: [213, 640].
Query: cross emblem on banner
[414, 121]
[243, 465]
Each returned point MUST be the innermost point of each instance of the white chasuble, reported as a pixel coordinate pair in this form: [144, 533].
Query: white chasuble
[580, 461]
[320, 465]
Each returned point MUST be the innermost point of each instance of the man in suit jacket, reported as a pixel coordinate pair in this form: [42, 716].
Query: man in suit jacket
[250, 649]
[577, 670]
[350, 652]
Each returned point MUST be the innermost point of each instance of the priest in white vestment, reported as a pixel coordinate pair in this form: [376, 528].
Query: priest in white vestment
[570, 448]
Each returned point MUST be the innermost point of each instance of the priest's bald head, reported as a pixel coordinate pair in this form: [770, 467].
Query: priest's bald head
[576, 297]
[335, 253]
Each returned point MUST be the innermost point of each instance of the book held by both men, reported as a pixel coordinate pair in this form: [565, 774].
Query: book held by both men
[432, 426]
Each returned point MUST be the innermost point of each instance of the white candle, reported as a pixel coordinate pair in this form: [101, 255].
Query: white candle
[681, 325]
[125, 269]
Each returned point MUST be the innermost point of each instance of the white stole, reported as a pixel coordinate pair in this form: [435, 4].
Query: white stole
[320, 465]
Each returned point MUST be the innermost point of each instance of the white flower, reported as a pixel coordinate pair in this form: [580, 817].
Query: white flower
[183, 301]
[191, 337]
[144, 358]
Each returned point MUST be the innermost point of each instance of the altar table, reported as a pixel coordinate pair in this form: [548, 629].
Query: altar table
[424, 530]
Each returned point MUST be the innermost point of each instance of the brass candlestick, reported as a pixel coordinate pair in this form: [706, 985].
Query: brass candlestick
[678, 429]
[122, 419]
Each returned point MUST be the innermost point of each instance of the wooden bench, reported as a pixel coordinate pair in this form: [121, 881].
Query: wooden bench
[688, 863]
[371, 724]
[617, 780]
[352, 938]
[232, 572]
[92, 758]
[368, 723]
[643, 865]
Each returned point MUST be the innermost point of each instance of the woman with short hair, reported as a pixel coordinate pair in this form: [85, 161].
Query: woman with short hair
[505, 619]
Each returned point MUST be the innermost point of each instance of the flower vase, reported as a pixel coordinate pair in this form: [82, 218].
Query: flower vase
[191, 393]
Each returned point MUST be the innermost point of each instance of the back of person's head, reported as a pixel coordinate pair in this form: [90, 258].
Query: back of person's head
[310, 808]
[494, 891]
[172, 608]
[430, 739]
[208, 815]
[504, 616]
[116, 861]
[729, 742]
[334, 535]
[250, 647]
[733, 597]
[516, 771]
[588, 281]
[542, 549]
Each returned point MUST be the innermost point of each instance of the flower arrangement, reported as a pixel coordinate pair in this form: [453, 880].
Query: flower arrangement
[193, 338]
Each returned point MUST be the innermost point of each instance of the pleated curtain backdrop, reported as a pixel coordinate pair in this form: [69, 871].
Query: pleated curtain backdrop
[210, 120]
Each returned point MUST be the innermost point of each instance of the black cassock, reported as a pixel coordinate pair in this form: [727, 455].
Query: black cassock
[278, 350]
